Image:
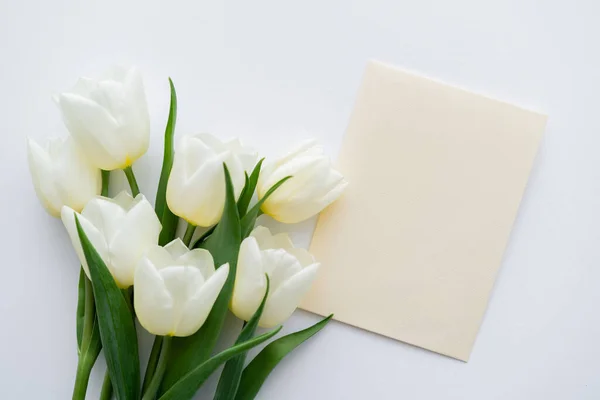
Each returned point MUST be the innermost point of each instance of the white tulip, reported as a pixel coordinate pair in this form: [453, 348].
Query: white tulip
[313, 186]
[61, 175]
[175, 289]
[196, 187]
[120, 229]
[108, 117]
[291, 271]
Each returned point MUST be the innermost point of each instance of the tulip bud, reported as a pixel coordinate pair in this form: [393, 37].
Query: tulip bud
[175, 289]
[313, 186]
[291, 272]
[196, 187]
[61, 175]
[108, 117]
[120, 229]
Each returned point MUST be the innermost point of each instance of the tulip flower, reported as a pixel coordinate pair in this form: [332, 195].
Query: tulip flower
[120, 229]
[108, 117]
[313, 186]
[196, 187]
[175, 289]
[61, 175]
[291, 271]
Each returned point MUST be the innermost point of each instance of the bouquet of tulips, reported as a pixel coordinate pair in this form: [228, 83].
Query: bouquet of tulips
[133, 265]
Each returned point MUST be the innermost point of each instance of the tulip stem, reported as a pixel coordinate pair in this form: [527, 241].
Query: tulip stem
[105, 183]
[135, 189]
[189, 233]
[90, 313]
[84, 368]
[85, 363]
[160, 369]
[152, 361]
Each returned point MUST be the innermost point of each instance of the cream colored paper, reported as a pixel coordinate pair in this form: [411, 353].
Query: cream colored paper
[436, 174]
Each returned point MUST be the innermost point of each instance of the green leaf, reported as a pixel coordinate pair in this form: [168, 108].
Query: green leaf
[224, 245]
[115, 324]
[167, 218]
[256, 373]
[230, 377]
[243, 194]
[243, 202]
[250, 218]
[190, 383]
[80, 308]
[249, 188]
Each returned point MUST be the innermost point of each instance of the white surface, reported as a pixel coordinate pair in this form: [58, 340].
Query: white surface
[267, 70]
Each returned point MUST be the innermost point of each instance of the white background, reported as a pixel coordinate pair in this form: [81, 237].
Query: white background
[274, 72]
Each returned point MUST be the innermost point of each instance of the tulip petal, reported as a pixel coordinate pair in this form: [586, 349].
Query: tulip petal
[137, 121]
[194, 153]
[262, 235]
[93, 128]
[160, 257]
[209, 193]
[182, 283]
[138, 231]
[303, 256]
[285, 298]
[306, 172]
[198, 307]
[61, 175]
[246, 155]
[198, 198]
[124, 200]
[250, 281]
[176, 249]
[306, 207]
[310, 147]
[40, 168]
[237, 157]
[313, 186]
[279, 265]
[201, 259]
[76, 180]
[152, 301]
[106, 215]
[93, 234]
[110, 95]
[266, 240]
[195, 189]
[334, 192]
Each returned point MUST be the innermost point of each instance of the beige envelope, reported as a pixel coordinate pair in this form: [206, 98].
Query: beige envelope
[436, 174]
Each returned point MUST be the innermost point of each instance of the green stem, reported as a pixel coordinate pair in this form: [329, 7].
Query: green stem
[90, 313]
[152, 362]
[84, 367]
[107, 389]
[86, 359]
[160, 370]
[189, 232]
[135, 189]
[105, 183]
